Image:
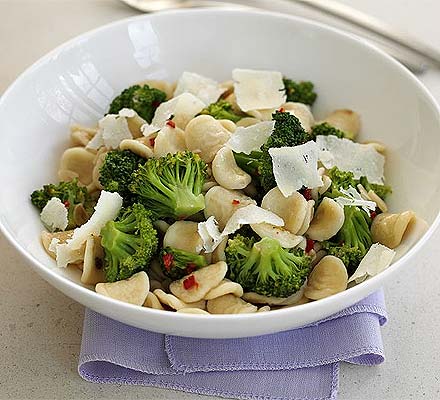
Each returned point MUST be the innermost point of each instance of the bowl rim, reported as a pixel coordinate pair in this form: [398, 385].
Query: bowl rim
[362, 289]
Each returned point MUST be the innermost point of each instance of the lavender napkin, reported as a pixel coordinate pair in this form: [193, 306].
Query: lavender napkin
[300, 364]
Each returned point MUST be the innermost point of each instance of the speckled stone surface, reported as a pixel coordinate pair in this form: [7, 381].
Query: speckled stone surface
[40, 328]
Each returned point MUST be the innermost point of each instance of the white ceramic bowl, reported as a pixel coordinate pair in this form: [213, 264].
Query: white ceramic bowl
[76, 82]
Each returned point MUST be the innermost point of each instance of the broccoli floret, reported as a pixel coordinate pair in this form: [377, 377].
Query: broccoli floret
[345, 179]
[171, 186]
[325, 129]
[222, 110]
[301, 92]
[115, 174]
[72, 195]
[265, 267]
[129, 243]
[287, 132]
[177, 263]
[353, 240]
[381, 190]
[142, 99]
[350, 256]
[340, 179]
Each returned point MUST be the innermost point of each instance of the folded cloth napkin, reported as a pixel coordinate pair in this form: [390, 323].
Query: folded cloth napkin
[300, 364]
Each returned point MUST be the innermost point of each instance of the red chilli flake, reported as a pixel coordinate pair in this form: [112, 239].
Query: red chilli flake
[373, 214]
[152, 140]
[309, 245]
[171, 124]
[235, 202]
[66, 204]
[281, 109]
[307, 193]
[190, 282]
[167, 260]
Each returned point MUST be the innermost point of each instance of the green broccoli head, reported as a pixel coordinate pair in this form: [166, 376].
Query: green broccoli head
[381, 190]
[171, 186]
[340, 179]
[129, 243]
[115, 174]
[350, 256]
[265, 267]
[177, 263]
[301, 92]
[142, 99]
[72, 195]
[345, 179]
[325, 129]
[287, 132]
[355, 231]
[222, 110]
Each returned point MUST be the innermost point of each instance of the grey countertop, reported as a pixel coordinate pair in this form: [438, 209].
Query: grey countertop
[40, 328]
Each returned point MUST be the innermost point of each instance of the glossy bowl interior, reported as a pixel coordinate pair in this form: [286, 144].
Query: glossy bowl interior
[76, 82]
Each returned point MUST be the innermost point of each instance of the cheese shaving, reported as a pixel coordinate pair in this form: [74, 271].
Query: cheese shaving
[54, 215]
[206, 89]
[251, 214]
[183, 108]
[114, 129]
[245, 140]
[360, 159]
[210, 235]
[377, 259]
[107, 209]
[355, 199]
[295, 167]
[256, 90]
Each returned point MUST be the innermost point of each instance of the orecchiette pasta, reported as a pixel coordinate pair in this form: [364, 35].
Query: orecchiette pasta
[183, 235]
[226, 172]
[169, 140]
[345, 120]
[222, 203]
[80, 162]
[133, 290]
[152, 301]
[328, 277]
[327, 222]
[229, 304]
[195, 287]
[205, 135]
[93, 262]
[292, 209]
[136, 147]
[176, 304]
[389, 229]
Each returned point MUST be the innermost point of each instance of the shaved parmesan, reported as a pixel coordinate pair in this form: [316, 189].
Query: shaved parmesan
[65, 255]
[127, 113]
[355, 199]
[360, 159]
[377, 259]
[256, 90]
[106, 209]
[210, 235]
[295, 167]
[183, 107]
[251, 214]
[206, 89]
[114, 129]
[54, 215]
[245, 140]
[96, 142]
